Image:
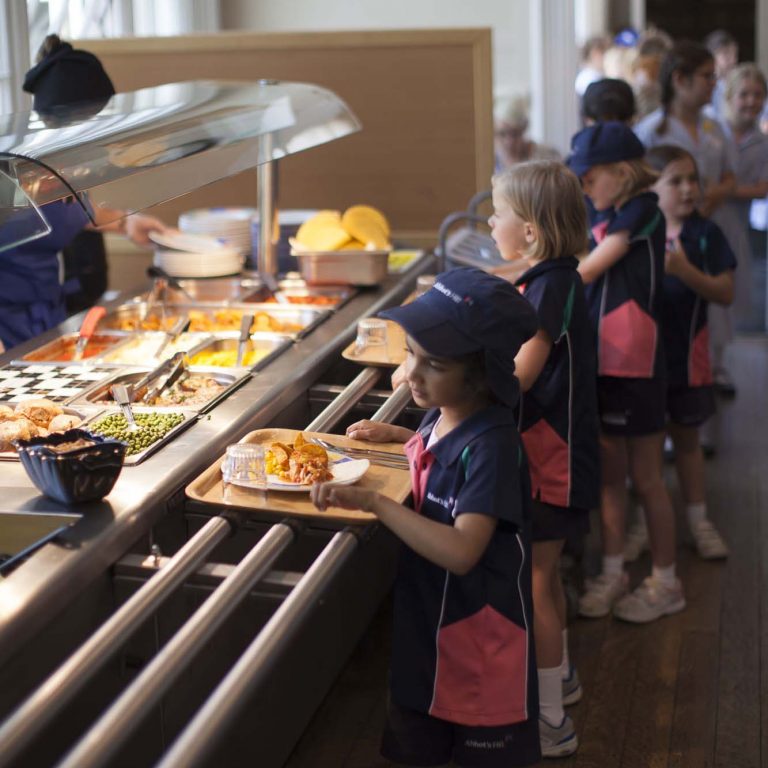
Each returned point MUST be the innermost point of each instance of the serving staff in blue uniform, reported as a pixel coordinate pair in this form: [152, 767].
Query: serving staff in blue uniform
[463, 675]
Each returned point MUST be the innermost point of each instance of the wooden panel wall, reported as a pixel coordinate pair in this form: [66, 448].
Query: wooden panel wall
[424, 99]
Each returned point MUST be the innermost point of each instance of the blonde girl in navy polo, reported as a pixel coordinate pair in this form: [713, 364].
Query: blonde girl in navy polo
[540, 220]
[463, 671]
[623, 273]
[699, 269]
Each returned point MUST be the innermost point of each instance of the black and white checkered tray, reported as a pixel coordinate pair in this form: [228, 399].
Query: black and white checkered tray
[59, 383]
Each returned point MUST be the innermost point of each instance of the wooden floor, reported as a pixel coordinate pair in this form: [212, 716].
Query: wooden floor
[685, 692]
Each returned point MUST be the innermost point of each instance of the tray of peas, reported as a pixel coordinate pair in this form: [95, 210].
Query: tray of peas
[155, 428]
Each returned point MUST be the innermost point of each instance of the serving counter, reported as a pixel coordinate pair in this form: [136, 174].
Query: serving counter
[57, 597]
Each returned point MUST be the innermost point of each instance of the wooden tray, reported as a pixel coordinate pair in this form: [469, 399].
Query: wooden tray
[208, 487]
[392, 355]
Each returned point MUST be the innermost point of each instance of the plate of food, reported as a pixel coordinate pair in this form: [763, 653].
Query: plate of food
[299, 465]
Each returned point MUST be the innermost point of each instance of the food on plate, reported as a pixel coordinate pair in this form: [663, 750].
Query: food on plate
[301, 462]
[360, 228]
[6, 412]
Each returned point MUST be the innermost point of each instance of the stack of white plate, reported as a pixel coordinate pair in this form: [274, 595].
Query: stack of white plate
[231, 226]
[183, 255]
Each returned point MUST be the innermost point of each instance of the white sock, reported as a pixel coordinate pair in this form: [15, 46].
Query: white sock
[664, 575]
[551, 695]
[697, 513]
[565, 664]
[613, 565]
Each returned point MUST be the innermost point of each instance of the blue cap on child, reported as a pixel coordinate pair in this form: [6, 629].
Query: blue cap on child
[601, 144]
[467, 310]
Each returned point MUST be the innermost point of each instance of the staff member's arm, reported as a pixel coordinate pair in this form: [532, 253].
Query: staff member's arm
[135, 226]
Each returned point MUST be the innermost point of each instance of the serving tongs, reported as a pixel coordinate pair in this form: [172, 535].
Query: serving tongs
[120, 396]
[87, 329]
[245, 333]
[177, 368]
[139, 388]
[180, 326]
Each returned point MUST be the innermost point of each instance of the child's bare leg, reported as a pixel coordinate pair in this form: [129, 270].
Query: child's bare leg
[613, 507]
[646, 461]
[689, 463]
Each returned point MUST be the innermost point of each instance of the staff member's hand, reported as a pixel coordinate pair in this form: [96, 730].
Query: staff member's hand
[139, 225]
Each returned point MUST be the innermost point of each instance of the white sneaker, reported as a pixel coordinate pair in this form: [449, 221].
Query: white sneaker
[709, 543]
[558, 741]
[636, 542]
[572, 691]
[650, 601]
[601, 594]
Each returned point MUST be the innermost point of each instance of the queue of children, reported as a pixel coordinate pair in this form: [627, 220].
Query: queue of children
[546, 391]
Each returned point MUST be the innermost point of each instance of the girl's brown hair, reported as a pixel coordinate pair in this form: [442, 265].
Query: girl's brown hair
[684, 58]
[661, 156]
[547, 194]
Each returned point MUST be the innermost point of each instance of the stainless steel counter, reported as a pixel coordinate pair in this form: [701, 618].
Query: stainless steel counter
[55, 575]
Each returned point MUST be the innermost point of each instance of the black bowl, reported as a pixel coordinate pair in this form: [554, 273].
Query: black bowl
[83, 474]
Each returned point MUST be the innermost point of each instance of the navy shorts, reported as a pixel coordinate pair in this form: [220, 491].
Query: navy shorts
[414, 738]
[690, 406]
[631, 407]
[551, 523]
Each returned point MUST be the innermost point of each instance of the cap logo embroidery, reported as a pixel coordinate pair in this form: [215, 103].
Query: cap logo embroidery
[448, 292]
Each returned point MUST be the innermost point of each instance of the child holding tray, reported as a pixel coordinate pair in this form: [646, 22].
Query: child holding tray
[463, 674]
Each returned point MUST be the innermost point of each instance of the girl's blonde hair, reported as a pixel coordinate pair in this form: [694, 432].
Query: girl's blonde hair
[547, 194]
[639, 176]
[747, 71]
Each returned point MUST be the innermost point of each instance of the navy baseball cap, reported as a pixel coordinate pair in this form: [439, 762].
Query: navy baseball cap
[468, 310]
[601, 144]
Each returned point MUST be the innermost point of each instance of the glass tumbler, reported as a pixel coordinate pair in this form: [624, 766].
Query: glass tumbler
[371, 332]
[244, 465]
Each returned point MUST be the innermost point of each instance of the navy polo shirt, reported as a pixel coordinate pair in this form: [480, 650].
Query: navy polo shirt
[31, 296]
[625, 303]
[686, 335]
[462, 645]
[557, 417]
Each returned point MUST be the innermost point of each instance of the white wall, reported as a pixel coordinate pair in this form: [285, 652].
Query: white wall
[509, 20]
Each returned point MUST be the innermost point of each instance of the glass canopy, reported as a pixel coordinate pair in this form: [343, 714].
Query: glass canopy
[148, 146]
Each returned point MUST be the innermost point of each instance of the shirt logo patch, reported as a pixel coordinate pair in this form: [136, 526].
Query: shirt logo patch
[444, 503]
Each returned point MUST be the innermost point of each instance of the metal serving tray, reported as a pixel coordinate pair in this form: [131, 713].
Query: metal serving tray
[62, 350]
[139, 349]
[267, 347]
[59, 382]
[230, 379]
[190, 417]
[343, 267]
[295, 321]
[86, 413]
[219, 289]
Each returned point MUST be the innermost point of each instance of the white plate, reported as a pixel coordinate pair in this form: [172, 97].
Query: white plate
[345, 472]
[181, 241]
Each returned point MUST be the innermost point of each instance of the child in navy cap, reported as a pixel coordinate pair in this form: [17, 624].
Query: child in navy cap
[540, 221]
[463, 673]
[623, 273]
[699, 269]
